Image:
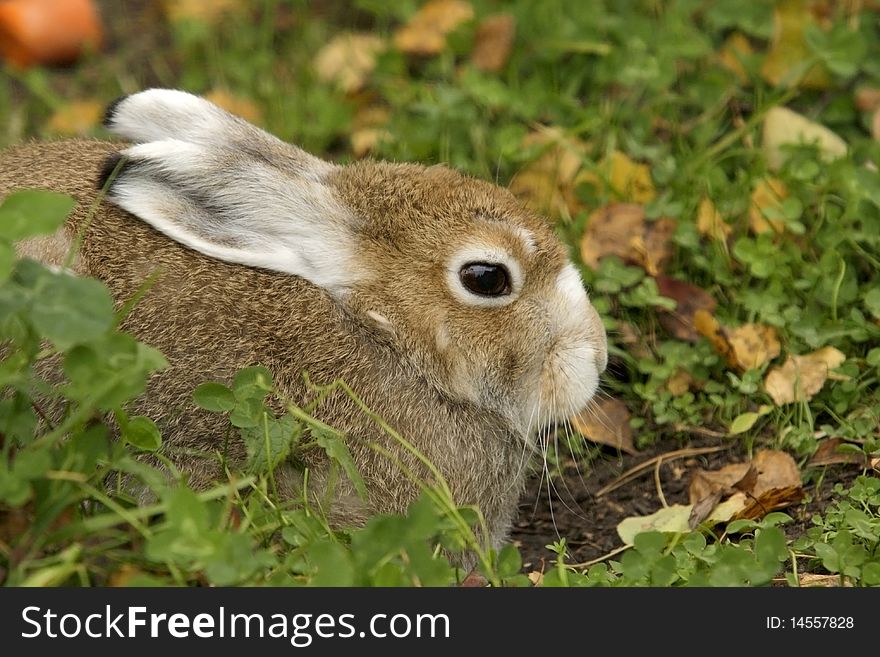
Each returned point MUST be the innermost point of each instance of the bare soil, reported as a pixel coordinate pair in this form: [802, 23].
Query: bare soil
[571, 508]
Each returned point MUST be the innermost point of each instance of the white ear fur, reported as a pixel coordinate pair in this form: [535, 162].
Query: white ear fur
[235, 207]
[158, 114]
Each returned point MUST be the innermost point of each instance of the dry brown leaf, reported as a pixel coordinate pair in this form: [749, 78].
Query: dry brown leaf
[735, 49]
[875, 125]
[655, 248]
[78, 117]
[536, 578]
[679, 383]
[788, 49]
[744, 347]
[753, 345]
[631, 338]
[474, 580]
[348, 59]
[122, 576]
[768, 194]
[368, 129]
[238, 105]
[827, 454]
[205, 11]
[770, 481]
[628, 180]
[710, 328]
[801, 377]
[710, 223]
[867, 99]
[493, 42]
[606, 423]
[688, 298]
[782, 127]
[620, 229]
[425, 33]
[814, 580]
[547, 184]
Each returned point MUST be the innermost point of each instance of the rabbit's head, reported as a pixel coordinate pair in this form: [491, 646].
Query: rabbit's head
[453, 273]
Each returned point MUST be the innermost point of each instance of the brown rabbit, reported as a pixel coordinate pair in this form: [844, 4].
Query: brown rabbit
[452, 311]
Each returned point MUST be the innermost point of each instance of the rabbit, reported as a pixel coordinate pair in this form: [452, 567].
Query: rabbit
[454, 312]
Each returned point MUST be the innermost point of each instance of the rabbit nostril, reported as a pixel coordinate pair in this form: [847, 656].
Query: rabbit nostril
[485, 279]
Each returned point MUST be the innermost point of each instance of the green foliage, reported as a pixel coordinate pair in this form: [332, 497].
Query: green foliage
[845, 539]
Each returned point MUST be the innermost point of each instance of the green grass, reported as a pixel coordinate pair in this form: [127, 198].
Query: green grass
[641, 78]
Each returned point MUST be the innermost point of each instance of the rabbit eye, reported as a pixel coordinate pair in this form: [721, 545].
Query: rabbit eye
[485, 279]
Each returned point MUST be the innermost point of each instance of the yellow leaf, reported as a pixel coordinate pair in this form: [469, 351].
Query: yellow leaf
[493, 42]
[425, 33]
[607, 423]
[753, 345]
[546, 185]
[238, 105]
[767, 195]
[205, 11]
[735, 49]
[76, 118]
[782, 126]
[628, 180]
[368, 129]
[348, 59]
[784, 64]
[710, 223]
[801, 377]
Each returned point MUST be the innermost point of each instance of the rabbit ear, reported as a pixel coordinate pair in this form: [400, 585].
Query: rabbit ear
[158, 114]
[230, 205]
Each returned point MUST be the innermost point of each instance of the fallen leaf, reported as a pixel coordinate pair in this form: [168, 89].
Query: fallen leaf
[867, 99]
[368, 129]
[734, 50]
[708, 488]
[631, 338]
[814, 580]
[547, 184]
[474, 580]
[710, 328]
[606, 422]
[76, 118]
[672, 519]
[238, 105]
[425, 33]
[348, 59]
[710, 223]
[205, 11]
[770, 481]
[753, 345]
[827, 453]
[801, 377]
[688, 299]
[122, 576]
[626, 179]
[536, 578]
[767, 195]
[493, 42]
[679, 383]
[745, 347]
[875, 125]
[620, 229]
[784, 64]
[783, 126]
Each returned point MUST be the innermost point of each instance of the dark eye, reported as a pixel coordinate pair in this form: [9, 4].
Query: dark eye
[486, 279]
